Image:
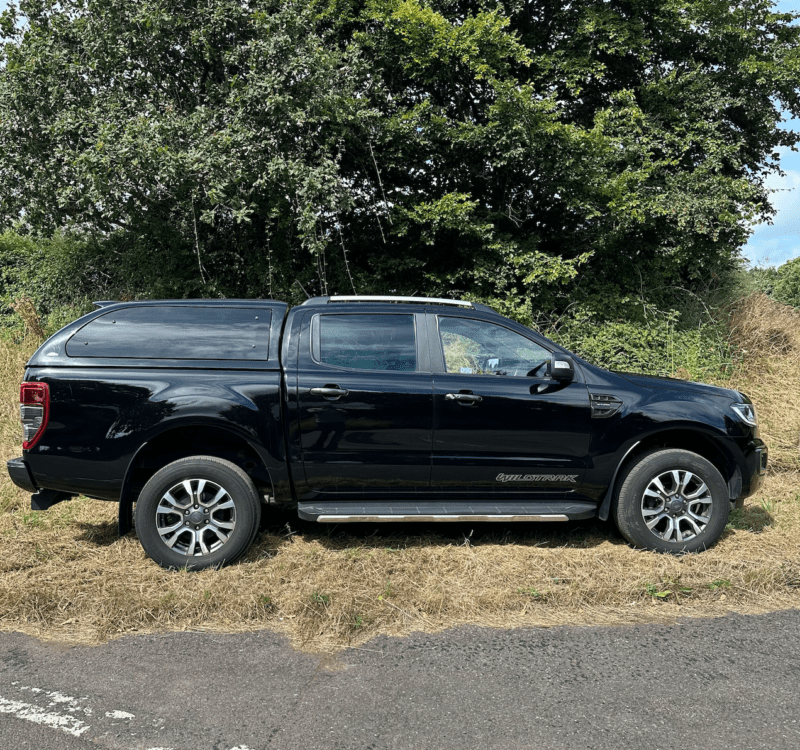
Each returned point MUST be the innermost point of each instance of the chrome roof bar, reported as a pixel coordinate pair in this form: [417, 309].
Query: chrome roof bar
[389, 298]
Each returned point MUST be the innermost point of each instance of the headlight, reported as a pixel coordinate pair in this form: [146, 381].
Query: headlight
[747, 412]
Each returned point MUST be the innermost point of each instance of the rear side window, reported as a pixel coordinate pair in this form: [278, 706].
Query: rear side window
[365, 342]
[176, 332]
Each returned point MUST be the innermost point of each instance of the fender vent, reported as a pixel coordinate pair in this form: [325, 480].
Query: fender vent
[603, 405]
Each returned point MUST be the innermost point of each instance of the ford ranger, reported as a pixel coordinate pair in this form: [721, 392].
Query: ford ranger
[201, 413]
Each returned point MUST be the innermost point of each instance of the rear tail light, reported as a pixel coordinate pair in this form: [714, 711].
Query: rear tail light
[34, 411]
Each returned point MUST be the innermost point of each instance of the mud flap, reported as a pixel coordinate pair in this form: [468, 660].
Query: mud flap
[45, 499]
[125, 516]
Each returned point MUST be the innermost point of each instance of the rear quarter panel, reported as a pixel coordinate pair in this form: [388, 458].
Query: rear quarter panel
[100, 417]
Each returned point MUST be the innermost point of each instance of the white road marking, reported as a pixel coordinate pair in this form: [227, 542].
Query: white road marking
[119, 715]
[37, 715]
[57, 698]
[63, 718]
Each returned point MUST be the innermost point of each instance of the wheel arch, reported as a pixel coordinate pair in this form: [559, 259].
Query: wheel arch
[694, 440]
[193, 438]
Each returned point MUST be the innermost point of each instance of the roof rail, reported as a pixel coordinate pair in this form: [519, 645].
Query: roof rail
[390, 298]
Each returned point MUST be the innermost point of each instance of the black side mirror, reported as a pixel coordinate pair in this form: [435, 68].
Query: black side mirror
[562, 368]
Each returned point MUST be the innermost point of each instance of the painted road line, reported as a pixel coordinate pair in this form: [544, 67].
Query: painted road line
[70, 714]
[119, 715]
[38, 715]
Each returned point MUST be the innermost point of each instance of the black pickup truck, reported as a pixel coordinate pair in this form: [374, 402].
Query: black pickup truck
[201, 412]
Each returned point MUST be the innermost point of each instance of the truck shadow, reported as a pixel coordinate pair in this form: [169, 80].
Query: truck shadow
[100, 534]
[754, 518]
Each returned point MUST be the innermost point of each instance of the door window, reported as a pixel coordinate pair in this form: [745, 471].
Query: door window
[475, 347]
[365, 342]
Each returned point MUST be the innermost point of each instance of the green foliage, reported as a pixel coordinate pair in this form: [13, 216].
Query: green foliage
[57, 277]
[688, 343]
[536, 150]
[786, 287]
[781, 283]
[652, 590]
[318, 598]
[660, 591]
[533, 593]
[659, 346]
[758, 279]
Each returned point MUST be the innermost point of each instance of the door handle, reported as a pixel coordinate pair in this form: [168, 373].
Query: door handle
[329, 391]
[463, 398]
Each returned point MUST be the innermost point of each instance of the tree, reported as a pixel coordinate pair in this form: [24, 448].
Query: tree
[201, 139]
[600, 152]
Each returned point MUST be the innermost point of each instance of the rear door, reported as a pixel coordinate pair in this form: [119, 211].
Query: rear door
[364, 404]
[502, 427]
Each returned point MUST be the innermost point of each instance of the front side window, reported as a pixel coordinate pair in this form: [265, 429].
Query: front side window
[475, 347]
[367, 342]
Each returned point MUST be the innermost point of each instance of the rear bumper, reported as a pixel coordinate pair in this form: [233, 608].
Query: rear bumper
[40, 499]
[21, 475]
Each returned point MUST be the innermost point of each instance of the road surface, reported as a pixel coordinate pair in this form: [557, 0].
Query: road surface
[726, 683]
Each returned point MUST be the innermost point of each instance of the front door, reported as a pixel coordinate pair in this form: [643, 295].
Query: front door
[502, 427]
[365, 406]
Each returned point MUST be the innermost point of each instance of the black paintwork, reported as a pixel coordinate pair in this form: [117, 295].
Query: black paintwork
[391, 435]
[21, 475]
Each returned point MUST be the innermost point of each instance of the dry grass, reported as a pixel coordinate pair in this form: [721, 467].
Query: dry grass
[66, 576]
[768, 335]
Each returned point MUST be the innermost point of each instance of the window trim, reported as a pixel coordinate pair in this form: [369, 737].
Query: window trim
[315, 347]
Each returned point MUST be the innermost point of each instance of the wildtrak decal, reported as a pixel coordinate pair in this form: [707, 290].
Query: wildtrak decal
[536, 477]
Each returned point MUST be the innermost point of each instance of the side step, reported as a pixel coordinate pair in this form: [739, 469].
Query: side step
[356, 511]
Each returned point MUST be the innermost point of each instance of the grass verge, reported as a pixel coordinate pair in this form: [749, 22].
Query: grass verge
[65, 575]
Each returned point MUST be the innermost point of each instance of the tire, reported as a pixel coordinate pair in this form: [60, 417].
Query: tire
[672, 501]
[198, 512]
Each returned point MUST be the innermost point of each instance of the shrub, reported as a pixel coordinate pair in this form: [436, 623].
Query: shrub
[786, 287]
[658, 347]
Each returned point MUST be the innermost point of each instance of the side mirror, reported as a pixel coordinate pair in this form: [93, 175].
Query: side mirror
[562, 368]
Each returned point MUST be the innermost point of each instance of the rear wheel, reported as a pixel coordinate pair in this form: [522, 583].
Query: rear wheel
[672, 501]
[198, 512]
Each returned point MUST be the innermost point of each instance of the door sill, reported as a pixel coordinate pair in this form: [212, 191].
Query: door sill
[355, 511]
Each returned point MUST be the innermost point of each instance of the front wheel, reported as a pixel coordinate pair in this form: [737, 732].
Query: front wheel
[197, 512]
[672, 501]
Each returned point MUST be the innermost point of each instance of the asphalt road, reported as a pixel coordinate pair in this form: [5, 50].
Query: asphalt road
[727, 683]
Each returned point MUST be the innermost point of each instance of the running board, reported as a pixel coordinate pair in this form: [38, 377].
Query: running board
[353, 511]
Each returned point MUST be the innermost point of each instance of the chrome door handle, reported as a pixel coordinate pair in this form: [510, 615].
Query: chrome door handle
[464, 398]
[329, 392]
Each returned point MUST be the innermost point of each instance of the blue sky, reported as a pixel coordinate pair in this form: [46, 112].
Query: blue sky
[770, 244]
[776, 243]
